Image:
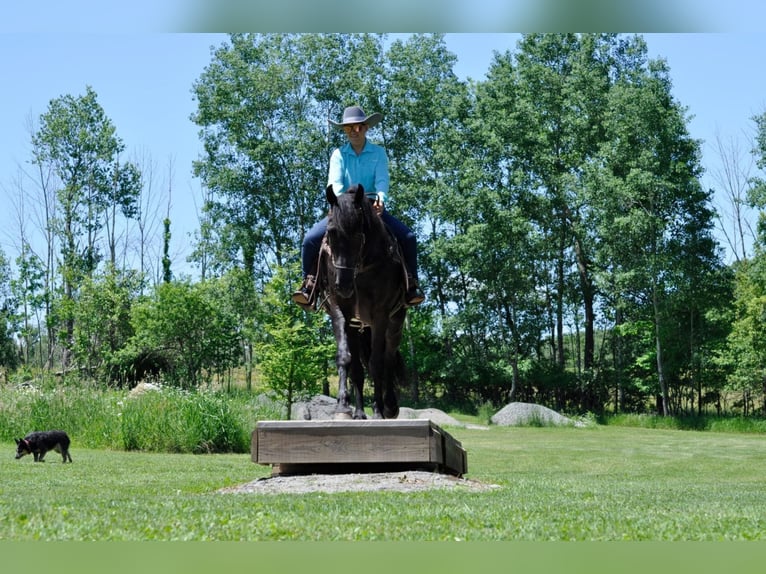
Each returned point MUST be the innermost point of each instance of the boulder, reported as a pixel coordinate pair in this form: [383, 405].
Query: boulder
[527, 414]
[434, 415]
[318, 408]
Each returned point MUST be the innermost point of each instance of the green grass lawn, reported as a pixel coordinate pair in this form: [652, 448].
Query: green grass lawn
[556, 484]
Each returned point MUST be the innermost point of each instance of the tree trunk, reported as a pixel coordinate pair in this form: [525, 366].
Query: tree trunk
[586, 285]
[560, 288]
[658, 343]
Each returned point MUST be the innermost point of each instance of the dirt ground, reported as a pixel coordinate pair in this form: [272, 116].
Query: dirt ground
[406, 481]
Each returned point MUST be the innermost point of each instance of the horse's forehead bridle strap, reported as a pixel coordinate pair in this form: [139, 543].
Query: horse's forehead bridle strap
[358, 266]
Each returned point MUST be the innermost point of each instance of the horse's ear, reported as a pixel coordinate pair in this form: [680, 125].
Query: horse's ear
[359, 195]
[332, 199]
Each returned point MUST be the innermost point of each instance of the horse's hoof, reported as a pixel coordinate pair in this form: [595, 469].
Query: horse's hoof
[360, 416]
[390, 413]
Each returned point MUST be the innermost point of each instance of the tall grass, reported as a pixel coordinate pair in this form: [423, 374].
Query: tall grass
[179, 421]
[164, 420]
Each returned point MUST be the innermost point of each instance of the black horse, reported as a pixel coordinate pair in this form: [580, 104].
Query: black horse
[361, 282]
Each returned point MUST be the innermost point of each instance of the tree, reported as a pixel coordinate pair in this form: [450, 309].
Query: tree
[9, 356]
[102, 319]
[187, 328]
[293, 354]
[538, 125]
[29, 291]
[426, 109]
[122, 196]
[651, 212]
[78, 141]
[745, 355]
[734, 180]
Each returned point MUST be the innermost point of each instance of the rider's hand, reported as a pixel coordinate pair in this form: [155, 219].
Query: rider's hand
[378, 205]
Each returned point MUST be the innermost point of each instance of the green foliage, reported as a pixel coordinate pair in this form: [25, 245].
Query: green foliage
[102, 319]
[745, 354]
[191, 326]
[731, 424]
[294, 354]
[8, 356]
[263, 107]
[30, 293]
[485, 413]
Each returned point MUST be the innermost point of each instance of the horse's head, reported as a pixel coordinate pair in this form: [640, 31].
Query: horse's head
[346, 235]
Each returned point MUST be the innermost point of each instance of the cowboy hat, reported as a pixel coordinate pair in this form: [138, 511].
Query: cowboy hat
[356, 115]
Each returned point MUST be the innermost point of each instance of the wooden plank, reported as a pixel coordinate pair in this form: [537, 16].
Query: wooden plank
[347, 446]
[455, 457]
[342, 441]
[284, 469]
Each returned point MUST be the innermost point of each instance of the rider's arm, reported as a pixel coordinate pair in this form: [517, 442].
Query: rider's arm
[381, 176]
[335, 172]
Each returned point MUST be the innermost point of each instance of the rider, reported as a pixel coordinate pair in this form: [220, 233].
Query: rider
[359, 162]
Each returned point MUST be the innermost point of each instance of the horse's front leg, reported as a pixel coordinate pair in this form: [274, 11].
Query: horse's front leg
[393, 364]
[358, 339]
[342, 361]
[382, 406]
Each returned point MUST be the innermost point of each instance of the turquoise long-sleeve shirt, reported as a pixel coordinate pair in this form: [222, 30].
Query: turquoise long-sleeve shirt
[369, 168]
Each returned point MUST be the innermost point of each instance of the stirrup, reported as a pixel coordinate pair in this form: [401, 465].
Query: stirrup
[303, 296]
[414, 295]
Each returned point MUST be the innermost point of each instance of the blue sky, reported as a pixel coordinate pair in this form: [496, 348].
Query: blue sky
[144, 79]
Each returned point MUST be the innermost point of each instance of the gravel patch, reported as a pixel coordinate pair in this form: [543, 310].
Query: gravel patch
[406, 481]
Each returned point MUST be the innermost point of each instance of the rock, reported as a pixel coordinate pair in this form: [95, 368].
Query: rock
[318, 408]
[434, 415]
[527, 414]
[322, 407]
[142, 388]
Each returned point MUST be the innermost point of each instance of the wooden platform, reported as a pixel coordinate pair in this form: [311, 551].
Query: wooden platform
[330, 446]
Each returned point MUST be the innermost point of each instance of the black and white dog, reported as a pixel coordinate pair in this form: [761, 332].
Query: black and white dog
[40, 442]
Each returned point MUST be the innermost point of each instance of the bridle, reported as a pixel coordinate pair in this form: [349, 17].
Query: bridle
[358, 259]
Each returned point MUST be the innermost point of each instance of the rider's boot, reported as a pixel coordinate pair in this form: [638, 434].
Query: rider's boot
[305, 295]
[414, 295]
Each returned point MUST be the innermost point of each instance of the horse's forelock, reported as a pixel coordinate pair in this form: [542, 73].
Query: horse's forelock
[349, 217]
